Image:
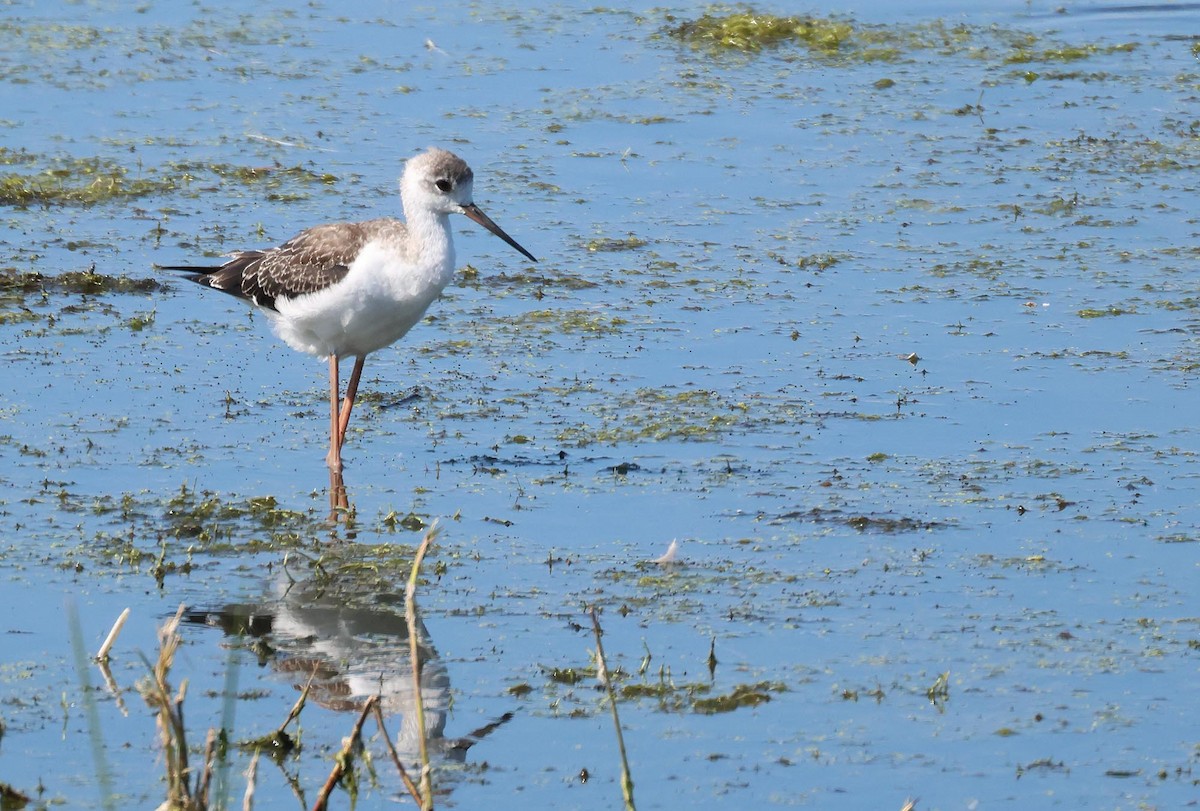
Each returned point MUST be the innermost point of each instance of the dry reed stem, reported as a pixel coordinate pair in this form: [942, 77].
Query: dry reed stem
[414, 647]
[181, 796]
[210, 753]
[110, 640]
[113, 687]
[294, 713]
[408, 783]
[626, 778]
[251, 775]
[344, 758]
[172, 733]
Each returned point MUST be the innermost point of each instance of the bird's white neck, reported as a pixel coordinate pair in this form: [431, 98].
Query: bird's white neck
[430, 234]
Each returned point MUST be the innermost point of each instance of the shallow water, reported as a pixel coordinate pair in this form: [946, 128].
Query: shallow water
[908, 370]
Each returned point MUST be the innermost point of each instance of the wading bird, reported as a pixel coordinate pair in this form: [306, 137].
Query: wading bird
[347, 289]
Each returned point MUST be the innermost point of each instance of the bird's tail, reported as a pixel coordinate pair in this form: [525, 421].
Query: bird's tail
[193, 273]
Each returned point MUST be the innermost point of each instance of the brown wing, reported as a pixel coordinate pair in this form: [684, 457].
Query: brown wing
[310, 261]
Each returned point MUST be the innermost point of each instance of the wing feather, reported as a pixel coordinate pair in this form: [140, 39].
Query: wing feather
[311, 261]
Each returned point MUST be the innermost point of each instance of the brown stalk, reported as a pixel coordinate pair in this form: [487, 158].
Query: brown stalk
[414, 647]
[408, 782]
[626, 778]
[345, 757]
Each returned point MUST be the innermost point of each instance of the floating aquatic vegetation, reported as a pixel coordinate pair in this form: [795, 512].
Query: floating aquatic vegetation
[1102, 312]
[883, 524]
[749, 30]
[208, 516]
[671, 695]
[605, 244]
[94, 180]
[1042, 765]
[655, 415]
[743, 695]
[85, 182]
[1139, 155]
[568, 675]
[818, 261]
[168, 532]
[570, 322]
[889, 525]
[411, 522]
[10, 157]
[1034, 52]
[25, 295]
[87, 282]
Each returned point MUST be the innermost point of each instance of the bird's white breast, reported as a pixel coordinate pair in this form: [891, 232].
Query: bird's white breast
[385, 292]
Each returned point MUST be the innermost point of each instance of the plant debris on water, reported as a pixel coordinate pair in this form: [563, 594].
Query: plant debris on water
[752, 31]
[743, 695]
[629, 243]
[749, 30]
[73, 281]
[93, 180]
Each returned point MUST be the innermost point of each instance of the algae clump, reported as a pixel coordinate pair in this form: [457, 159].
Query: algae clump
[749, 30]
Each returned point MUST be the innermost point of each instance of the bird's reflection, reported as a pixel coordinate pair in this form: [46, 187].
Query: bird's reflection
[352, 642]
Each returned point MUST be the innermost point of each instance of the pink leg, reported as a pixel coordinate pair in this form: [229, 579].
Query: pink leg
[348, 403]
[334, 459]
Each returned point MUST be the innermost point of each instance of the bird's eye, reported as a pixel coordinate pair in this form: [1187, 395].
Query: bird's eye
[443, 185]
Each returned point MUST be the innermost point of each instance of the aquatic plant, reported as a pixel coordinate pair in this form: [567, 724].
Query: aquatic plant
[85, 182]
[743, 695]
[187, 786]
[93, 180]
[88, 282]
[750, 30]
[1062, 53]
[626, 778]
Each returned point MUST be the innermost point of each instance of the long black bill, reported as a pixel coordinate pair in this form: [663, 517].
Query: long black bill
[472, 211]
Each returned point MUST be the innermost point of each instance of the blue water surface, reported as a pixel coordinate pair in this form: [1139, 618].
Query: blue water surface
[900, 349]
